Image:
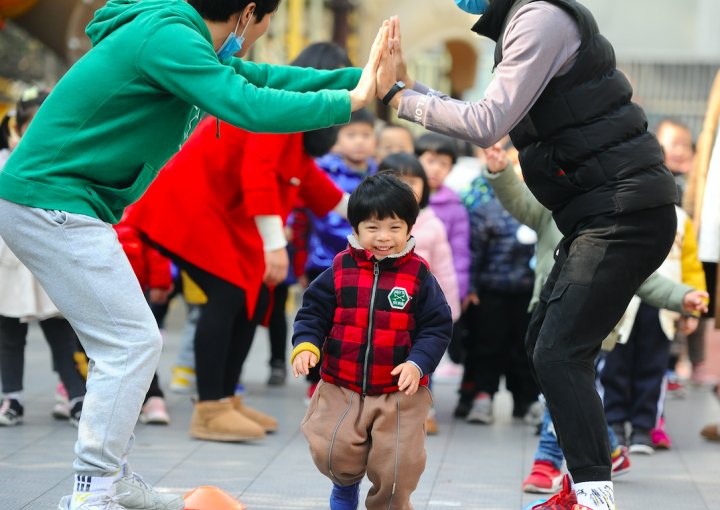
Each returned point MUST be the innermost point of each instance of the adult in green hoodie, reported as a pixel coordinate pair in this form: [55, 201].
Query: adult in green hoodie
[95, 146]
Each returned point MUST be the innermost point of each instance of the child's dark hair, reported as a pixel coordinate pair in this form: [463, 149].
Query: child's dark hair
[5, 132]
[321, 55]
[382, 196]
[28, 106]
[440, 144]
[221, 10]
[401, 164]
[362, 116]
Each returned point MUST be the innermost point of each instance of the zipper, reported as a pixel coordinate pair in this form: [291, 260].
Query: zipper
[371, 315]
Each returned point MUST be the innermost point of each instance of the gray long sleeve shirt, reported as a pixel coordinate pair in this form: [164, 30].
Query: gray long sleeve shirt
[541, 42]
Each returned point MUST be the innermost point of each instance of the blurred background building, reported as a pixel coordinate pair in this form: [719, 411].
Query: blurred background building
[669, 49]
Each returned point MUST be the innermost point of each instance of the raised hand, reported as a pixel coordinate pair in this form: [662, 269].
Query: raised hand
[395, 41]
[364, 92]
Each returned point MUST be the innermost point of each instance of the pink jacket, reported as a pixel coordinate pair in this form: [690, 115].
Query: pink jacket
[431, 243]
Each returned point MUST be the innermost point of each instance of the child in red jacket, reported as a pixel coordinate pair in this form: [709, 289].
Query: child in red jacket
[383, 324]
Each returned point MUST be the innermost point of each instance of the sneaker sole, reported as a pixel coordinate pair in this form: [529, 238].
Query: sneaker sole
[641, 449]
[621, 472]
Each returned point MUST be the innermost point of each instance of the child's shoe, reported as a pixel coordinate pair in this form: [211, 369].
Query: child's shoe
[620, 461]
[640, 442]
[75, 406]
[564, 500]
[61, 408]
[134, 494]
[11, 412]
[659, 437]
[268, 423]
[183, 380]
[431, 426]
[345, 498]
[535, 414]
[544, 478]
[278, 373]
[463, 407]
[482, 410]
[154, 412]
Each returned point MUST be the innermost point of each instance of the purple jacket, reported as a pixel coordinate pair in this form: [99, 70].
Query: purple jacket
[447, 206]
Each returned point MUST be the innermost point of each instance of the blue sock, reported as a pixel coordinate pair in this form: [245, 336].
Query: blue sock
[345, 498]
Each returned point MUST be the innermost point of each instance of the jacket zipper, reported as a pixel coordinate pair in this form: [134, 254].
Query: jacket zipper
[376, 273]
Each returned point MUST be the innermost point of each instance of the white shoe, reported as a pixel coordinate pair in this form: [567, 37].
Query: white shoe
[94, 502]
[134, 494]
[535, 414]
[482, 410]
[154, 412]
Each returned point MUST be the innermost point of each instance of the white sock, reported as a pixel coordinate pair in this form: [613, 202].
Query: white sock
[595, 495]
[86, 486]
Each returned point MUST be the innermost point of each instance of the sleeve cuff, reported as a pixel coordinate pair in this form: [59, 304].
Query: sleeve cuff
[302, 347]
[272, 232]
[418, 367]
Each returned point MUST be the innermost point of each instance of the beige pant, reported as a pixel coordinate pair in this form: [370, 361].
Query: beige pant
[382, 435]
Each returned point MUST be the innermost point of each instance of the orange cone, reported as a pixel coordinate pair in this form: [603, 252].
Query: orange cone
[211, 498]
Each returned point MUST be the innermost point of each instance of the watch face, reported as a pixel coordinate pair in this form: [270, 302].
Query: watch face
[401, 84]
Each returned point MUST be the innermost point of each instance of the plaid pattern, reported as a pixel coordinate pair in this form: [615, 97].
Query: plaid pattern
[347, 348]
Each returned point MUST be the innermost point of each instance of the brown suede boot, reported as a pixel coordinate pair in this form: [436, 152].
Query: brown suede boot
[217, 420]
[268, 423]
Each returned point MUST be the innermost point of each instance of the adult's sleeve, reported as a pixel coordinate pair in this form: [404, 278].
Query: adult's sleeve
[662, 292]
[196, 76]
[517, 199]
[433, 325]
[296, 79]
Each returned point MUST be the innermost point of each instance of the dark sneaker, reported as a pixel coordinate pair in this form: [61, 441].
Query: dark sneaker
[75, 411]
[345, 498]
[641, 442]
[11, 412]
[620, 432]
[278, 372]
[463, 407]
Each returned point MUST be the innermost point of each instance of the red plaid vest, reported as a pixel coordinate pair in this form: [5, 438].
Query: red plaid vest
[374, 321]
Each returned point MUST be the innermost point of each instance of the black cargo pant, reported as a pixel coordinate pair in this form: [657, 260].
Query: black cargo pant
[597, 270]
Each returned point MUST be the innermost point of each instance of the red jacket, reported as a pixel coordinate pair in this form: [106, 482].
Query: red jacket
[151, 268]
[202, 205]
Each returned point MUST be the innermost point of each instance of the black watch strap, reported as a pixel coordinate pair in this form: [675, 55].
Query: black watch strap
[393, 91]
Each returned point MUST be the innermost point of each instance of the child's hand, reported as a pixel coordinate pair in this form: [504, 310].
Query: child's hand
[303, 362]
[409, 377]
[496, 158]
[696, 301]
[364, 93]
[688, 325]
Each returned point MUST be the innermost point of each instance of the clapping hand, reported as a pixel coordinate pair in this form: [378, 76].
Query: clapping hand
[365, 91]
[393, 66]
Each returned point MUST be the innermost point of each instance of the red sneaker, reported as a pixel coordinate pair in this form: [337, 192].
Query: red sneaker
[620, 461]
[660, 438]
[310, 393]
[564, 500]
[544, 478]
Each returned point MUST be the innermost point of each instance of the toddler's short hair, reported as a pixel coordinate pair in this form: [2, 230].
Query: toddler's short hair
[440, 144]
[382, 196]
[403, 164]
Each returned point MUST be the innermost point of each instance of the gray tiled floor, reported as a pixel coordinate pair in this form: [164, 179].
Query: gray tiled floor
[469, 467]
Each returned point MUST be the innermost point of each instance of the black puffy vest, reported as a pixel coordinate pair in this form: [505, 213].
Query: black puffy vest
[584, 145]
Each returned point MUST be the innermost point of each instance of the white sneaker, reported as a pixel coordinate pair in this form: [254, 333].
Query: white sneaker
[154, 412]
[134, 494]
[535, 414]
[482, 410]
[94, 502]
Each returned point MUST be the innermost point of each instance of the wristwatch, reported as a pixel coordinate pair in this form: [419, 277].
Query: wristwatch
[399, 85]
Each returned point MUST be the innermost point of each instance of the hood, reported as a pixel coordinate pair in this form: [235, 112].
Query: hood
[117, 13]
[492, 22]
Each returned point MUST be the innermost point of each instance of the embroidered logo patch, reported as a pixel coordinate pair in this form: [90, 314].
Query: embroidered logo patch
[399, 298]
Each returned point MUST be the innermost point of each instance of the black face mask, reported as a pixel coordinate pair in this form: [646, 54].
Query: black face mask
[490, 24]
[319, 142]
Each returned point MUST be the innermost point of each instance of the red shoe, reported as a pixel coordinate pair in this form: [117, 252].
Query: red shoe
[310, 393]
[564, 500]
[620, 461]
[544, 478]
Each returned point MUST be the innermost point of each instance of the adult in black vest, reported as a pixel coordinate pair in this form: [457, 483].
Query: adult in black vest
[587, 156]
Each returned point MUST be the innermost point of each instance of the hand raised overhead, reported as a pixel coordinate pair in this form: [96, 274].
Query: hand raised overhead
[365, 90]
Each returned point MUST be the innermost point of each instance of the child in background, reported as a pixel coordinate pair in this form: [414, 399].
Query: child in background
[350, 161]
[438, 154]
[394, 138]
[431, 241]
[382, 323]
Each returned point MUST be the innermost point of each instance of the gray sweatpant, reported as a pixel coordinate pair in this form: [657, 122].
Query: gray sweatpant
[81, 265]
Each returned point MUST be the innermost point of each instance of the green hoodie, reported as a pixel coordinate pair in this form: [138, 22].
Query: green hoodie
[125, 108]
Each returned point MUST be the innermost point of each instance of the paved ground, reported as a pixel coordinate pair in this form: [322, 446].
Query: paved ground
[469, 466]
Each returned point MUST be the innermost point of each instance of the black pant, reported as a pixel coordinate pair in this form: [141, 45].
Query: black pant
[633, 373]
[278, 328]
[224, 333]
[597, 270]
[497, 328]
[63, 343]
